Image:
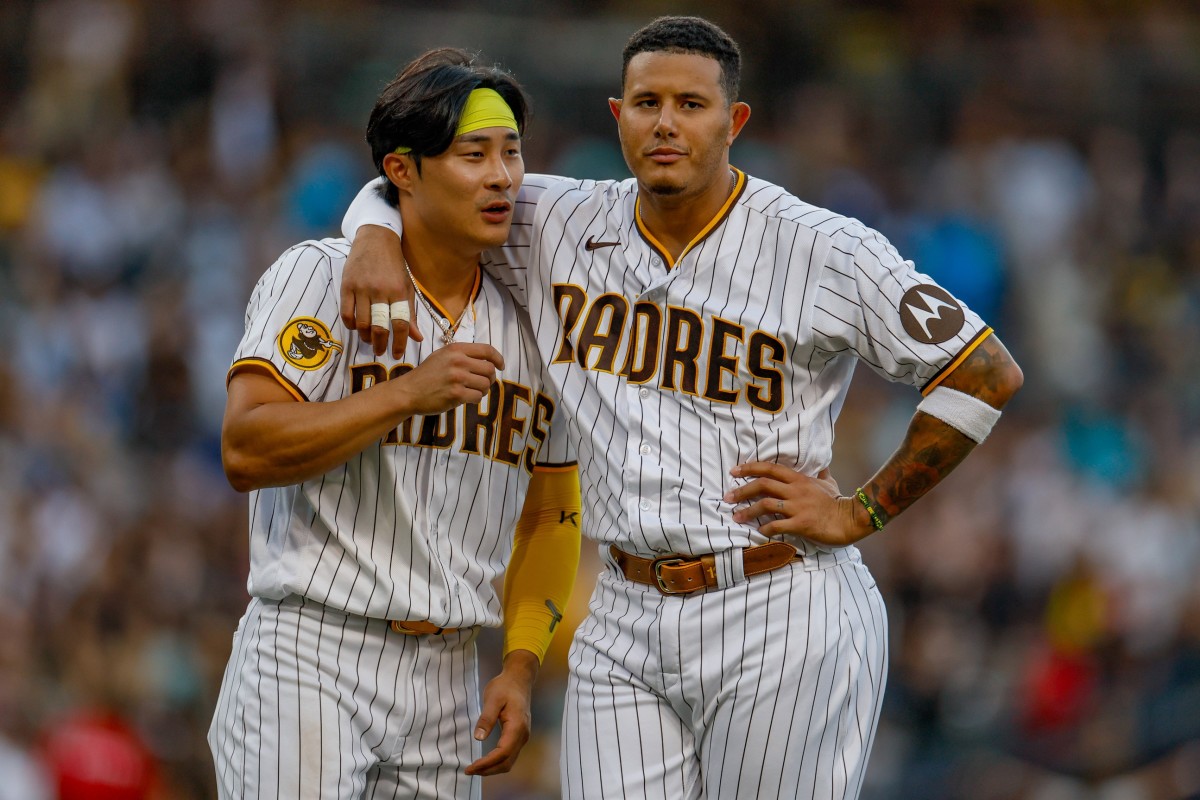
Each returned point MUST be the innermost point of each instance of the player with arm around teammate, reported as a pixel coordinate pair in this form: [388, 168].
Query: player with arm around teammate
[386, 495]
[703, 326]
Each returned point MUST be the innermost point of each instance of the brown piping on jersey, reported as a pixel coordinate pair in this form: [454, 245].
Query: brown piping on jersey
[958, 359]
[268, 368]
[470, 303]
[738, 187]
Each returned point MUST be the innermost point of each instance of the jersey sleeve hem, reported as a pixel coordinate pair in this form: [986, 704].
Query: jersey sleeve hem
[265, 367]
[954, 363]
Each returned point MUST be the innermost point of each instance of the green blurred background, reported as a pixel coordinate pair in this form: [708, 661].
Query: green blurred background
[1039, 159]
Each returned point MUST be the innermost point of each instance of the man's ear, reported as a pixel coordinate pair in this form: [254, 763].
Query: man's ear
[401, 170]
[739, 114]
[614, 105]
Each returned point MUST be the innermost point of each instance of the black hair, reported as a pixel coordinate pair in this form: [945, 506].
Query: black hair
[421, 107]
[691, 35]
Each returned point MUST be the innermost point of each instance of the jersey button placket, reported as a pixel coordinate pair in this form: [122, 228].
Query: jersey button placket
[638, 449]
[465, 332]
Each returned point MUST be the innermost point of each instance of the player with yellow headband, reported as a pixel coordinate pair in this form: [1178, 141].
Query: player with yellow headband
[388, 496]
[485, 108]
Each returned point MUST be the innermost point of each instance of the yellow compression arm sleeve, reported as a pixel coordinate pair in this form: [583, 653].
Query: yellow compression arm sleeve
[545, 558]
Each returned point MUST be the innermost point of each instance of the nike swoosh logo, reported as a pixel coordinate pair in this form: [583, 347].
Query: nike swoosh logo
[592, 244]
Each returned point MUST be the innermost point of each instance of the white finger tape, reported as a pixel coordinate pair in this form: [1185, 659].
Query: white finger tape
[400, 311]
[380, 318]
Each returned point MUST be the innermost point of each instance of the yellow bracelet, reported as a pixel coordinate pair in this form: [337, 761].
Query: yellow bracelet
[862, 498]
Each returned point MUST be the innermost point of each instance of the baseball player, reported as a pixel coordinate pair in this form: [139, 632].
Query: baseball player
[701, 327]
[387, 495]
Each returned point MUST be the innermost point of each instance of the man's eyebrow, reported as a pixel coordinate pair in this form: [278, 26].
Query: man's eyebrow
[686, 95]
[476, 138]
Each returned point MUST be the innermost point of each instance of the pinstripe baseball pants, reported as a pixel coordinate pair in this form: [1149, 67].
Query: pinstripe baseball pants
[770, 687]
[316, 703]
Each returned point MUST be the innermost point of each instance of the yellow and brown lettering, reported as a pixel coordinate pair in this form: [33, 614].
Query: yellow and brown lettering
[671, 349]
[569, 301]
[543, 412]
[475, 418]
[494, 428]
[762, 351]
[685, 329]
[607, 313]
[721, 362]
[645, 340]
[364, 376]
[511, 423]
[439, 430]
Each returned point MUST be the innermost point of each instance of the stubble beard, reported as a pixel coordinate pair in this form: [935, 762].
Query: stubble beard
[713, 165]
[666, 189]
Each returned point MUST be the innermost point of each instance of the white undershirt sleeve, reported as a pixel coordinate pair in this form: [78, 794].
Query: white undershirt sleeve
[369, 208]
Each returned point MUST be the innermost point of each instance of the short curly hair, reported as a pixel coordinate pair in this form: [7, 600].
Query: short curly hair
[692, 35]
[421, 107]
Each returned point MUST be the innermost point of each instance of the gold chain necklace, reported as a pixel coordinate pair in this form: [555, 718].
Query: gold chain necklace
[448, 329]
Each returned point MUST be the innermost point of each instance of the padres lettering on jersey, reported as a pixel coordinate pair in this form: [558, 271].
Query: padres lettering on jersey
[419, 525]
[493, 427]
[669, 353]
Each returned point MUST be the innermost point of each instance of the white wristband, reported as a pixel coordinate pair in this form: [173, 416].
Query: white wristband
[969, 415]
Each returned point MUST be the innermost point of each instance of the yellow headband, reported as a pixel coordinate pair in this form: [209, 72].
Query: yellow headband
[485, 108]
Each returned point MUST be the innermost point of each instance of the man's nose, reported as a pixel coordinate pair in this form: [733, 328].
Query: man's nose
[498, 176]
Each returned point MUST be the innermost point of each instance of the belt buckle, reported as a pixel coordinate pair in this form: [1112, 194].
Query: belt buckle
[657, 565]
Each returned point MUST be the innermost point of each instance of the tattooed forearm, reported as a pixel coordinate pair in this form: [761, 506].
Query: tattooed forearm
[929, 452]
[931, 448]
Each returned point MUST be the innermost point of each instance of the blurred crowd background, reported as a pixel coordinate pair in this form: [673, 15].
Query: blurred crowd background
[1040, 159]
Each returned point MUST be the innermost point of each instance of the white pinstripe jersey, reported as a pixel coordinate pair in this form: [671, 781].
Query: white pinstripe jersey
[743, 350]
[417, 526]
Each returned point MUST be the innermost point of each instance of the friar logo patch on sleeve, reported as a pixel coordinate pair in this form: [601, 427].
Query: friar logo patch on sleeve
[930, 314]
[305, 342]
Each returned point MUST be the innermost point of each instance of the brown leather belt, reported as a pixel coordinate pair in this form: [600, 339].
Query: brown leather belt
[676, 574]
[419, 628]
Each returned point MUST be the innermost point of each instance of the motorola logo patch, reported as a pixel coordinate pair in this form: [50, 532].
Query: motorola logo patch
[930, 315]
